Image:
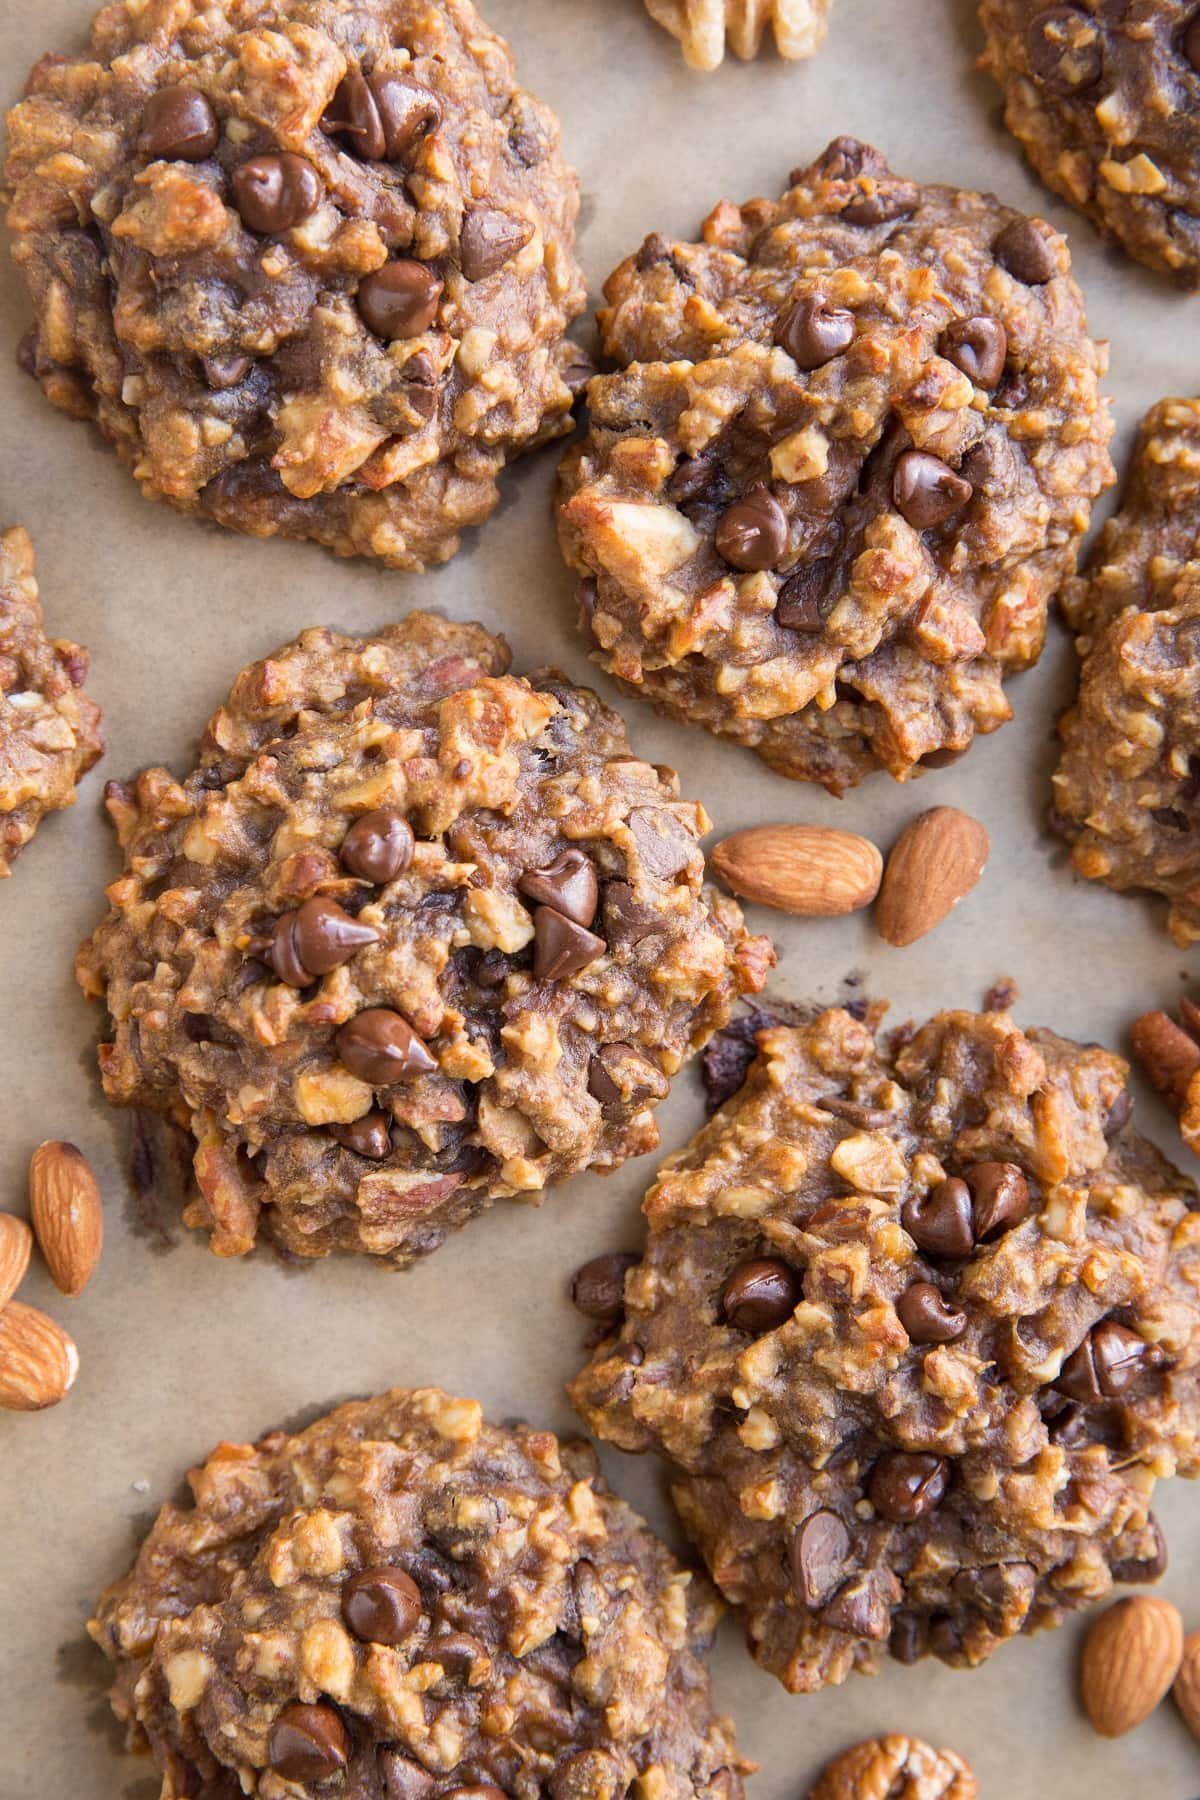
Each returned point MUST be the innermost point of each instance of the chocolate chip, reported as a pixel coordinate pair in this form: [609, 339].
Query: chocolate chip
[759, 1295]
[813, 332]
[1025, 250]
[222, 372]
[568, 884]
[598, 1288]
[1108, 1361]
[1118, 1114]
[903, 1486]
[993, 1586]
[753, 533]
[370, 1136]
[978, 346]
[407, 111]
[1191, 43]
[904, 1644]
[1148, 1568]
[694, 478]
[1064, 50]
[926, 490]
[799, 606]
[940, 1221]
[378, 847]
[664, 846]
[882, 203]
[655, 249]
[560, 946]
[404, 1779]
[178, 125]
[353, 116]
[275, 192]
[618, 1075]
[1000, 1199]
[927, 1318]
[283, 955]
[381, 1047]
[381, 1606]
[859, 1609]
[461, 1656]
[489, 238]
[627, 920]
[400, 300]
[326, 936]
[727, 1057]
[820, 1550]
[308, 1743]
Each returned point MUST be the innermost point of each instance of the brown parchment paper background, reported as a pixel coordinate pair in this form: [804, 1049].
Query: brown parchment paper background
[179, 1350]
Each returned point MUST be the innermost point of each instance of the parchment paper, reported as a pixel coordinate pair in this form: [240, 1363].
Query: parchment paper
[178, 1349]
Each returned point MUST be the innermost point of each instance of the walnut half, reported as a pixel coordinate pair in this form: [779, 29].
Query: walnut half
[895, 1768]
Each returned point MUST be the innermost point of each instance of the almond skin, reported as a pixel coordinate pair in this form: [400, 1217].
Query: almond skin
[38, 1361]
[1130, 1657]
[67, 1213]
[935, 862]
[1187, 1684]
[16, 1245]
[813, 870]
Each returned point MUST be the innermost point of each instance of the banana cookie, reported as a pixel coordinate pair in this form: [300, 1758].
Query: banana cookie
[49, 729]
[848, 457]
[1104, 98]
[307, 264]
[404, 1603]
[1127, 789]
[917, 1322]
[416, 934]
[704, 26]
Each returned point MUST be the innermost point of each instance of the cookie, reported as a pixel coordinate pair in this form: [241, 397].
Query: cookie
[1104, 98]
[415, 934]
[847, 457]
[308, 264]
[404, 1603]
[1127, 788]
[49, 728]
[917, 1323]
[703, 26]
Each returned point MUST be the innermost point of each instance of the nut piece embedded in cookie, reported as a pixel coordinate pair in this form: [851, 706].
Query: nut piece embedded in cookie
[1127, 788]
[415, 935]
[308, 265]
[703, 26]
[49, 728]
[902, 1768]
[405, 1602]
[916, 1322]
[848, 455]
[1105, 102]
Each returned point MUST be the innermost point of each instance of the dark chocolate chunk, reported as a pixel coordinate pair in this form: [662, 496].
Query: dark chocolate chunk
[561, 947]
[568, 884]
[489, 239]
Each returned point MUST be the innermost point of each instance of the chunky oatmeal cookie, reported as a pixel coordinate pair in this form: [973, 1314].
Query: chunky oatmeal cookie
[414, 935]
[307, 263]
[49, 729]
[849, 455]
[403, 1603]
[1104, 97]
[1127, 789]
[702, 27]
[918, 1322]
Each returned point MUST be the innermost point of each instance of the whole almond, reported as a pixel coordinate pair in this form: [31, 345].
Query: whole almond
[38, 1361]
[813, 870]
[935, 862]
[1130, 1658]
[1187, 1683]
[16, 1243]
[67, 1213]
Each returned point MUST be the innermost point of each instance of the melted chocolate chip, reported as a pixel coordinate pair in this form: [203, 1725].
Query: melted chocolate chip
[927, 1318]
[404, 1779]
[881, 203]
[695, 478]
[813, 332]
[283, 955]
[903, 1487]
[859, 1609]
[1108, 1361]
[489, 238]
[1065, 50]
[308, 1743]
[561, 947]
[759, 1295]
[977, 346]
[598, 1288]
[407, 111]
[178, 125]
[400, 300]
[820, 1550]
[568, 884]
[381, 1606]
[753, 533]
[326, 936]
[381, 1047]
[221, 372]
[619, 1075]
[1000, 1199]
[926, 490]
[370, 1136]
[800, 604]
[1118, 1114]
[1025, 250]
[378, 847]
[353, 116]
[940, 1222]
[275, 192]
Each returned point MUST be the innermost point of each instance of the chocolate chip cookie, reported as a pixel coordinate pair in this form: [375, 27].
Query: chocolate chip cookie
[307, 264]
[917, 1321]
[415, 934]
[703, 26]
[49, 729]
[1127, 789]
[404, 1603]
[848, 456]
[1104, 98]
